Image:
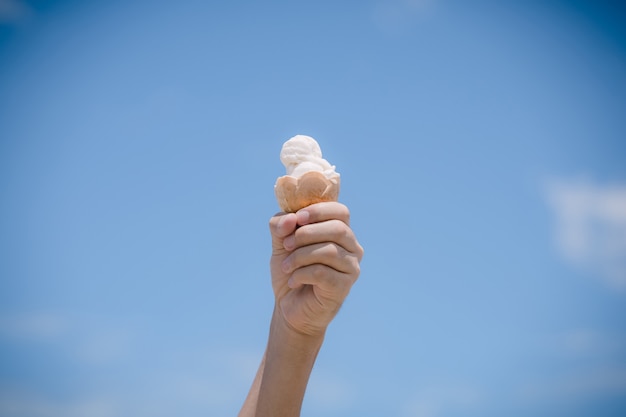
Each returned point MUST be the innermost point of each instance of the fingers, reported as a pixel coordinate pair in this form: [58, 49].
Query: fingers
[329, 221]
[320, 212]
[328, 254]
[317, 246]
[332, 284]
[327, 266]
[329, 231]
[282, 225]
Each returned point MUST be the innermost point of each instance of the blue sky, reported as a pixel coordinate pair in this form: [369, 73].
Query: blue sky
[482, 150]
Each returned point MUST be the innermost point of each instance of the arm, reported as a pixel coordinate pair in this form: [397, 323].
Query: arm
[279, 386]
[315, 261]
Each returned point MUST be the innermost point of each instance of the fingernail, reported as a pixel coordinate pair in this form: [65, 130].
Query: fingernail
[280, 223]
[303, 217]
[289, 242]
[285, 266]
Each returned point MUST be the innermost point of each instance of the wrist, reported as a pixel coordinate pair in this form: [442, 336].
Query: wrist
[289, 360]
[284, 333]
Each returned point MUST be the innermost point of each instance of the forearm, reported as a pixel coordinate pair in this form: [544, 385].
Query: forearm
[279, 387]
[314, 263]
[249, 406]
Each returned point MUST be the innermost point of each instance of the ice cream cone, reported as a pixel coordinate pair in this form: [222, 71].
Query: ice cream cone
[310, 178]
[312, 187]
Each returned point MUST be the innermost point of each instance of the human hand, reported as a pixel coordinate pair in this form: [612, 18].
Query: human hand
[315, 261]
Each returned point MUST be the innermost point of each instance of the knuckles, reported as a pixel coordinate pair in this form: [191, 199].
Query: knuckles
[320, 272]
[331, 231]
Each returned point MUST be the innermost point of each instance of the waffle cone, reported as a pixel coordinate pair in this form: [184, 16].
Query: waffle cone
[312, 187]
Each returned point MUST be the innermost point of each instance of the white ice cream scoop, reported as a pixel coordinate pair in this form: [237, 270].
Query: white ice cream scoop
[302, 154]
[310, 178]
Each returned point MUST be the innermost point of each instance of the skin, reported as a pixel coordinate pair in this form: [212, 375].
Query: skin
[315, 261]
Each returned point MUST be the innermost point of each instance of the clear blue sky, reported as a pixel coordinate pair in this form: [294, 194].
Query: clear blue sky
[482, 150]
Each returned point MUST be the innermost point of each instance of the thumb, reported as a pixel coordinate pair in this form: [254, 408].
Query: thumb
[281, 226]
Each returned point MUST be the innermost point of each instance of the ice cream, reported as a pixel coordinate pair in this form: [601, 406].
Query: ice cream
[310, 178]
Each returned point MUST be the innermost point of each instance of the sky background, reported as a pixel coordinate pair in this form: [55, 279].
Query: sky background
[482, 148]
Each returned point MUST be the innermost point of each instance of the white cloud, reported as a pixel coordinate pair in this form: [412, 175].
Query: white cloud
[103, 345]
[193, 381]
[395, 16]
[202, 378]
[209, 380]
[91, 345]
[328, 391]
[33, 326]
[16, 404]
[594, 373]
[242, 364]
[587, 342]
[591, 227]
[577, 386]
[13, 11]
[439, 399]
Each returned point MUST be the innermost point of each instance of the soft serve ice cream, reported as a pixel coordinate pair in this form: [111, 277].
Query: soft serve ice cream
[302, 154]
[310, 178]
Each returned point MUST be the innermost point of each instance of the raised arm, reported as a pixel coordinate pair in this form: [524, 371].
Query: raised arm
[314, 263]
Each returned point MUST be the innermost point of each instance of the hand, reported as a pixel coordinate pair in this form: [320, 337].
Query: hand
[315, 261]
